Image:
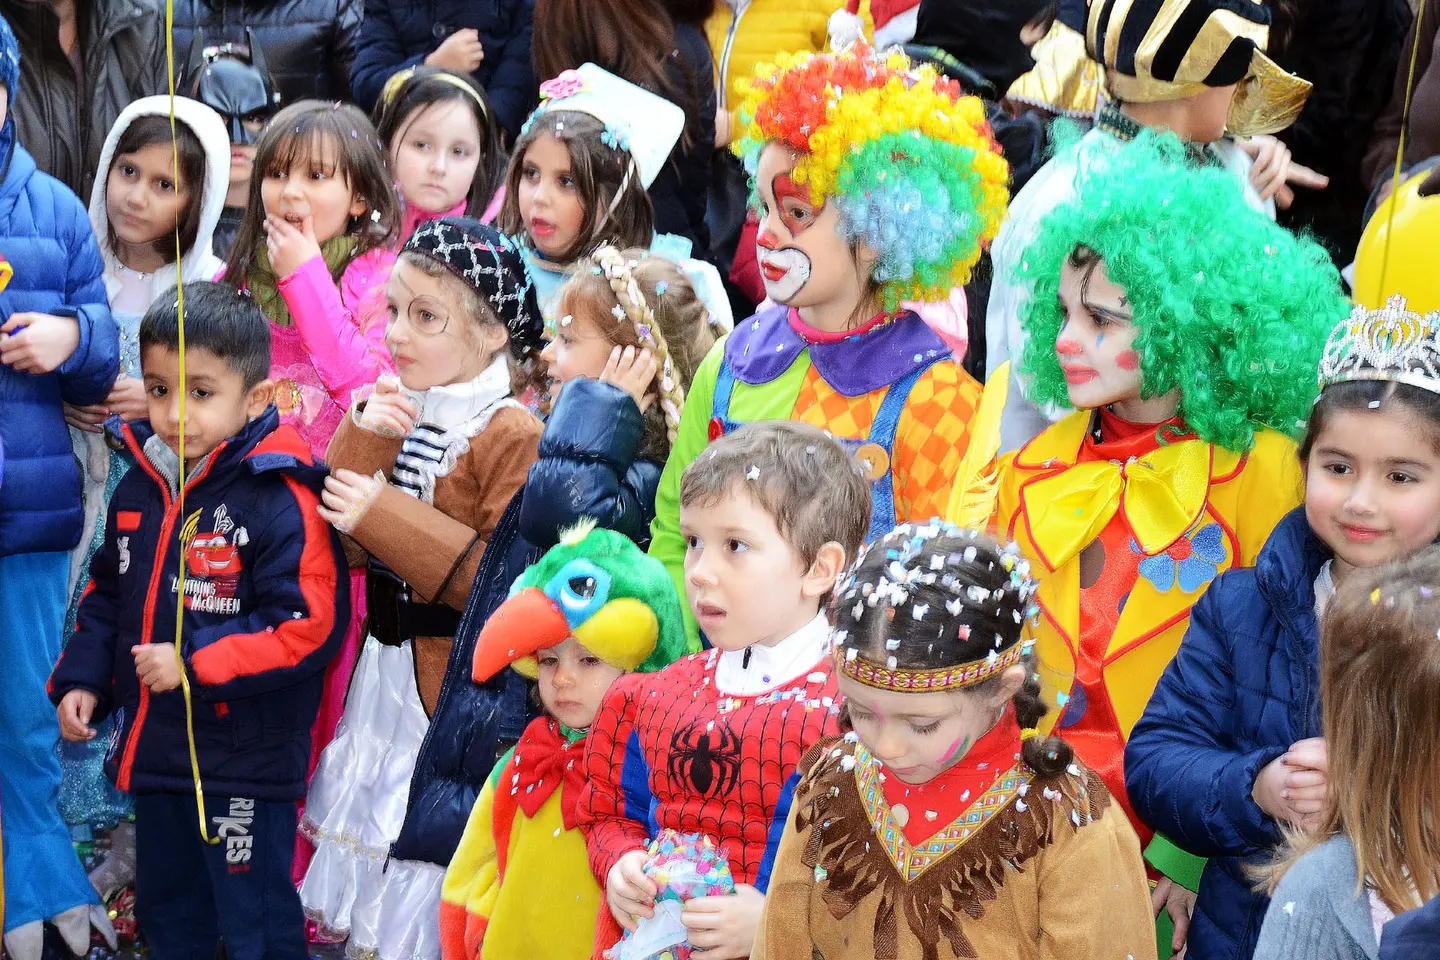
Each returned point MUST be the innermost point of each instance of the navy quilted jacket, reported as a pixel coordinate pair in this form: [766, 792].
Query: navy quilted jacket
[401, 33]
[589, 466]
[45, 234]
[1244, 686]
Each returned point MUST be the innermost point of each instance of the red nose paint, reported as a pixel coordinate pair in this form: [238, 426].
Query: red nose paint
[1067, 348]
[768, 240]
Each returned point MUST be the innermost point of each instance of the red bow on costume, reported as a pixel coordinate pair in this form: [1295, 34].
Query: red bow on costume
[543, 762]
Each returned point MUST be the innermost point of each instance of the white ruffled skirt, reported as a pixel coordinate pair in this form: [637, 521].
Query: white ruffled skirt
[359, 793]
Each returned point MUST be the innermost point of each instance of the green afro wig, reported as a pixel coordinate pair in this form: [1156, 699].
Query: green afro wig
[1231, 308]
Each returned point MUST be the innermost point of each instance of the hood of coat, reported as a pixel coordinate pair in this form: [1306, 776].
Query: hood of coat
[199, 262]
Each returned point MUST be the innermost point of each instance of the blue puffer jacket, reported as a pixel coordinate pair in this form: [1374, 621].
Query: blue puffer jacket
[1243, 688]
[45, 234]
[589, 467]
[267, 602]
[1412, 934]
[401, 33]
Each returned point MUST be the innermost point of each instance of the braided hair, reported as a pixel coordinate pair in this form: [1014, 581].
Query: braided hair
[933, 596]
[647, 302]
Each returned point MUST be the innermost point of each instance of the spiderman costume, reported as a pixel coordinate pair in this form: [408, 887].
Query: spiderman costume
[672, 749]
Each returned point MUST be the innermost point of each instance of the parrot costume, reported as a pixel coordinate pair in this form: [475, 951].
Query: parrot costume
[520, 883]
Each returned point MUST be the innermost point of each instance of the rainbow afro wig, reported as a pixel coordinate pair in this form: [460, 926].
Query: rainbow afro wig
[1232, 309]
[906, 158]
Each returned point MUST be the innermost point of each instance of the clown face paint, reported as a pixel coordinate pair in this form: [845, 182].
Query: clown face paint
[804, 260]
[1096, 347]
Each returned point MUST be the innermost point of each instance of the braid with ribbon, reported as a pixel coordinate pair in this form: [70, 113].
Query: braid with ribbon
[637, 311]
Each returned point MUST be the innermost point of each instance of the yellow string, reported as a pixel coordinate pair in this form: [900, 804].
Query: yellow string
[1381, 294]
[186, 532]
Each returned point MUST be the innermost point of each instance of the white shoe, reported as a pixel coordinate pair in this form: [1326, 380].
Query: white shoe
[26, 942]
[74, 926]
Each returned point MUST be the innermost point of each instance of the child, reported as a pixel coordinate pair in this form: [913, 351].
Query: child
[883, 191]
[1229, 749]
[444, 145]
[136, 208]
[944, 825]
[1196, 68]
[1192, 365]
[579, 172]
[233, 80]
[422, 473]
[57, 345]
[630, 335]
[266, 601]
[312, 249]
[1373, 849]
[520, 883]
[711, 743]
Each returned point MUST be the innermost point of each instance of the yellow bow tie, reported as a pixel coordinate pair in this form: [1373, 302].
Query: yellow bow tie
[1161, 494]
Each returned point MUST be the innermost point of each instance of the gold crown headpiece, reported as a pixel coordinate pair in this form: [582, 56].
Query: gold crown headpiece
[1392, 343]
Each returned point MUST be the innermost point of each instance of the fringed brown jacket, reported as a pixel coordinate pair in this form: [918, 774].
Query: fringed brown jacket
[1037, 868]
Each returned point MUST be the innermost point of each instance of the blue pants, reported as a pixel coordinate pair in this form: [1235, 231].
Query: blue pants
[190, 895]
[43, 876]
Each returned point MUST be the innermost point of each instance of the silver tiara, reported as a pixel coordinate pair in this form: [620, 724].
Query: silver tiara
[1392, 343]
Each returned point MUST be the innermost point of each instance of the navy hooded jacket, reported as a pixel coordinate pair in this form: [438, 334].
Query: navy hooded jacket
[1244, 686]
[267, 598]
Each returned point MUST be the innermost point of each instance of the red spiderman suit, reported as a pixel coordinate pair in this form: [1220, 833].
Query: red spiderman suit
[669, 749]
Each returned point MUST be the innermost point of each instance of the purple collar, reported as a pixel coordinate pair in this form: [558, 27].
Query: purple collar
[765, 346]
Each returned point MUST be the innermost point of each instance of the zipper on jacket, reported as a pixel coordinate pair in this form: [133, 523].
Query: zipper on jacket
[167, 526]
[724, 65]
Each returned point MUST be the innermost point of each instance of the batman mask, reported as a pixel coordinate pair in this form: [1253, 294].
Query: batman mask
[234, 82]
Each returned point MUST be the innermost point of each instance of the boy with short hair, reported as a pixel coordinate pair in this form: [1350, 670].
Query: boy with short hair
[771, 514]
[266, 600]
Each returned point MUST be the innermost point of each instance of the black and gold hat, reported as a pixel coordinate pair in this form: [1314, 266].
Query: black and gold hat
[1167, 49]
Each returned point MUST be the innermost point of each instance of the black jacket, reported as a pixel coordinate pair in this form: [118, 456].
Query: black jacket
[63, 121]
[679, 191]
[309, 44]
[402, 33]
[1349, 50]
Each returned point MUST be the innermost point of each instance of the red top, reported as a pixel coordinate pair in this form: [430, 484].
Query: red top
[934, 805]
[1109, 568]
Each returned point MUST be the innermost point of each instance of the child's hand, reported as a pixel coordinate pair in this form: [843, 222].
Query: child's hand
[89, 418]
[76, 709]
[389, 412]
[1180, 904]
[156, 666]
[462, 52]
[127, 399]
[632, 372]
[42, 346]
[724, 928]
[290, 246]
[346, 497]
[1293, 786]
[628, 892]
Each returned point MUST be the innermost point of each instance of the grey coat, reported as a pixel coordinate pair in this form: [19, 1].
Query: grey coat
[1316, 913]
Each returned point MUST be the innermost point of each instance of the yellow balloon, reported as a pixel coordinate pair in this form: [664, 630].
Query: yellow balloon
[1414, 239]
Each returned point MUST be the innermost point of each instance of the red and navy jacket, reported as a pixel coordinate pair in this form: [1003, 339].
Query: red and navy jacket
[267, 602]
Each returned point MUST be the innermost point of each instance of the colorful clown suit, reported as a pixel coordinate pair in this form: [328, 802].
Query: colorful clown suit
[519, 884]
[1127, 533]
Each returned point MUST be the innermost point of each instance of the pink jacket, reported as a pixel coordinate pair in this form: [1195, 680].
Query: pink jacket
[334, 346]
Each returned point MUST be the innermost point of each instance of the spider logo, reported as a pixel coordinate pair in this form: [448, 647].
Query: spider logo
[708, 756]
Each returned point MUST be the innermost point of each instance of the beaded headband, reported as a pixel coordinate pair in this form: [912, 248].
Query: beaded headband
[634, 307]
[1392, 343]
[896, 588]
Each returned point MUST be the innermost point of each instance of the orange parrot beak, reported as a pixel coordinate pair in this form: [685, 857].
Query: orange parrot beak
[527, 622]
